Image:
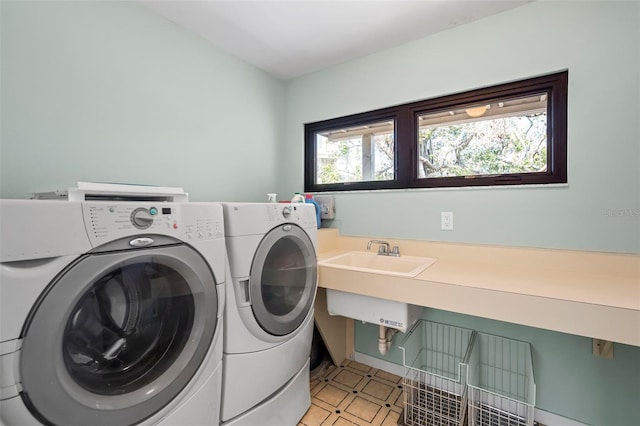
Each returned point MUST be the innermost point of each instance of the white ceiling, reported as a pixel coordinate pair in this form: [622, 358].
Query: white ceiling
[290, 38]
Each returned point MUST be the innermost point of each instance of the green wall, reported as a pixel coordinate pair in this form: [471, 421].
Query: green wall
[599, 208]
[107, 91]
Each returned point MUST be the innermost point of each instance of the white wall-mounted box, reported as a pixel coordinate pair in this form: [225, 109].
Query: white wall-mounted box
[327, 205]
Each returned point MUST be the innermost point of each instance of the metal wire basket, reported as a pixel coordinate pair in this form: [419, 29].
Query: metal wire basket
[502, 390]
[435, 360]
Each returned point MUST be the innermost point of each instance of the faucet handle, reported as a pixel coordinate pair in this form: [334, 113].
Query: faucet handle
[382, 249]
[395, 251]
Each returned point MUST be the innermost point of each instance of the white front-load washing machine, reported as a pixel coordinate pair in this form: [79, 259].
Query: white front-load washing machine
[111, 312]
[271, 288]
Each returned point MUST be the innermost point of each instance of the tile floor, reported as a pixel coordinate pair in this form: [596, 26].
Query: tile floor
[353, 394]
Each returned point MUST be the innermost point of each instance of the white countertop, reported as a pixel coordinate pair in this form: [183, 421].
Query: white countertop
[590, 294]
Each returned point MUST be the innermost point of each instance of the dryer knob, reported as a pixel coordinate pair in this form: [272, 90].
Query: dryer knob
[286, 211]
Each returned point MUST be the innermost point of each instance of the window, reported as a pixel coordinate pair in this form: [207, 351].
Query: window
[510, 134]
[356, 154]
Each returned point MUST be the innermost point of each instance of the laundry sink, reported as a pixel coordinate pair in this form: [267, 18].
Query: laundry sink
[400, 266]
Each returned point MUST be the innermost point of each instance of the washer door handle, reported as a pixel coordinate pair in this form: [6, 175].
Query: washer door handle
[243, 292]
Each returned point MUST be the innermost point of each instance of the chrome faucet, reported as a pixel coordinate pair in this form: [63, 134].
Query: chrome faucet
[384, 249]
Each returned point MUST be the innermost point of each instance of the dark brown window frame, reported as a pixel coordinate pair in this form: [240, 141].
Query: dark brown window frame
[406, 136]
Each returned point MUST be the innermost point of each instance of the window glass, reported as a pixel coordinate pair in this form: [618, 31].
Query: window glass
[505, 136]
[355, 154]
[129, 328]
[284, 277]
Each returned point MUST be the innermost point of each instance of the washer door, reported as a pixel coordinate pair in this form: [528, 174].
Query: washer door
[283, 279]
[118, 335]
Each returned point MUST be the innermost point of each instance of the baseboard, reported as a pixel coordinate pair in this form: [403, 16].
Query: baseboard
[380, 364]
[550, 419]
[541, 417]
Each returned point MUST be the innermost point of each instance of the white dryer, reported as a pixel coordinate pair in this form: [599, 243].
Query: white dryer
[111, 312]
[271, 288]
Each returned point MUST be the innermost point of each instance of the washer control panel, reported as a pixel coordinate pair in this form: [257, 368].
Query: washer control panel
[106, 221]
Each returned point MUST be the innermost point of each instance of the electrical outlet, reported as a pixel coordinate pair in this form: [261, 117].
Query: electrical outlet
[446, 221]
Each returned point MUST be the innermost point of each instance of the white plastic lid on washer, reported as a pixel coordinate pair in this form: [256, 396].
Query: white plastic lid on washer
[115, 191]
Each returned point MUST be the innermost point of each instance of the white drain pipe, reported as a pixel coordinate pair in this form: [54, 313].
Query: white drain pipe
[384, 339]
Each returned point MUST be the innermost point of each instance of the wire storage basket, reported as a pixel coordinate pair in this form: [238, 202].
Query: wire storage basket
[502, 390]
[434, 383]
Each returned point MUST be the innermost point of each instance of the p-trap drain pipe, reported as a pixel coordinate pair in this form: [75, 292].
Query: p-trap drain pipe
[384, 339]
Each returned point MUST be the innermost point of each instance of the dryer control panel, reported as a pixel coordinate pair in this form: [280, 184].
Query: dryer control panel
[302, 214]
[259, 218]
[108, 221]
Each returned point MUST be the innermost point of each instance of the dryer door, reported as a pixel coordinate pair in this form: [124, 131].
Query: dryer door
[283, 279]
[118, 335]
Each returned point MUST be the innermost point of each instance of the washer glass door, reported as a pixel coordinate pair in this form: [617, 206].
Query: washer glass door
[283, 279]
[118, 335]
